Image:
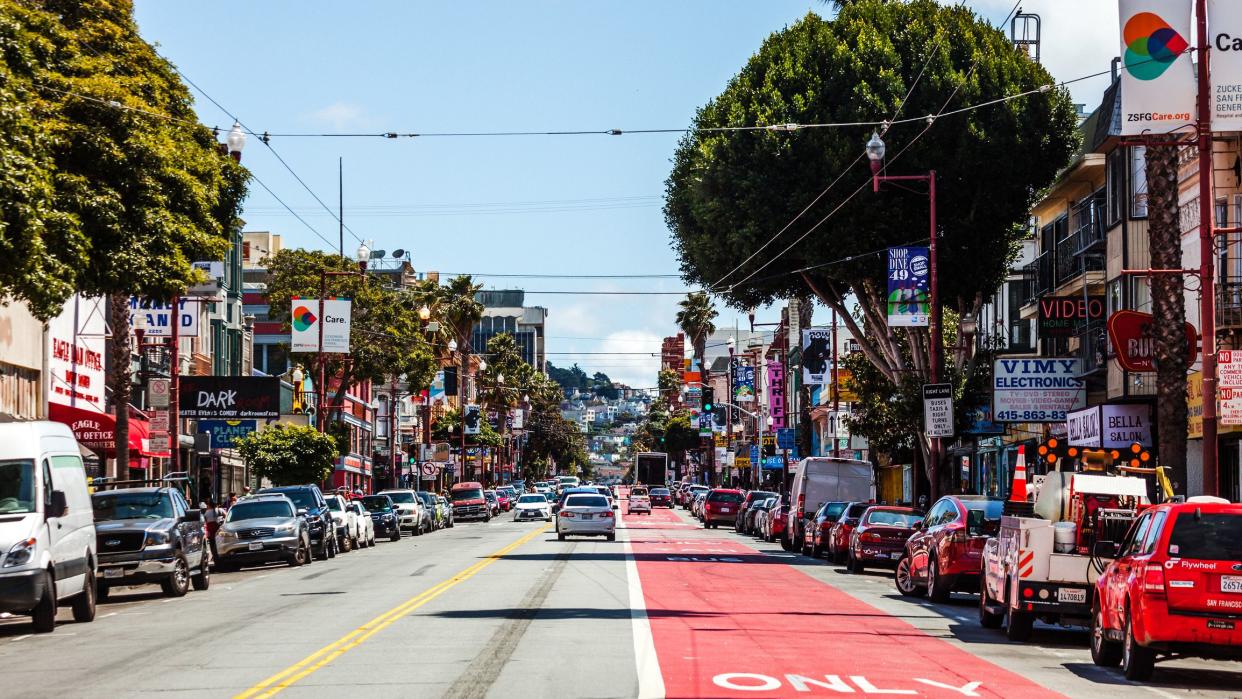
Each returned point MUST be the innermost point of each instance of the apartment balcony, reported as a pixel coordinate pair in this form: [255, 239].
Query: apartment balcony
[1093, 347]
[1073, 260]
[1229, 303]
[1038, 277]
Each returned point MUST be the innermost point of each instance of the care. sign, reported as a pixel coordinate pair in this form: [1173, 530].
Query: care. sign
[938, 409]
[1037, 390]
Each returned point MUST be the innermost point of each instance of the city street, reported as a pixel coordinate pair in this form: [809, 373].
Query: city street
[504, 609]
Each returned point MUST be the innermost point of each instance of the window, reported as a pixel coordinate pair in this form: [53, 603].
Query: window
[1153, 533]
[1138, 182]
[1115, 176]
[1136, 536]
[1211, 536]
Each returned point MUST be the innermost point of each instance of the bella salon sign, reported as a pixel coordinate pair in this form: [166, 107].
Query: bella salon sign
[1110, 426]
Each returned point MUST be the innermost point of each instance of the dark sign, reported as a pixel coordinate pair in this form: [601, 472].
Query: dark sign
[1131, 335]
[224, 432]
[1061, 315]
[229, 397]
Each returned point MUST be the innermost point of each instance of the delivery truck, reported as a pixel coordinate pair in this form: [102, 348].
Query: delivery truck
[651, 468]
[820, 479]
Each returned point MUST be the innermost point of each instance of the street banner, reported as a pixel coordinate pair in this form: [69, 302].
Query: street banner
[224, 433]
[909, 302]
[816, 357]
[776, 394]
[1037, 390]
[437, 395]
[1225, 31]
[158, 315]
[1157, 78]
[472, 419]
[304, 325]
[938, 409]
[229, 397]
[844, 393]
[786, 438]
[744, 383]
[517, 419]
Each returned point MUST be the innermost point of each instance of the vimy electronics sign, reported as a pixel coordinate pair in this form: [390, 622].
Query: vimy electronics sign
[1037, 390]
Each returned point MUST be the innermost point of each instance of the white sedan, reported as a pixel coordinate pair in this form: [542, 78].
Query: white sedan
[366, 526]
[588, 515]
[532, 506]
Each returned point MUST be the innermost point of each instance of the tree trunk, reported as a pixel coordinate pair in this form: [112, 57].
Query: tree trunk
[119, 378]
[1168, 309]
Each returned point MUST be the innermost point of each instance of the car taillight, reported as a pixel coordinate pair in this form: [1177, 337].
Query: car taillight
[869, 537]
[605, 515]
[567, 514]
[1153, 578]
[801, 505]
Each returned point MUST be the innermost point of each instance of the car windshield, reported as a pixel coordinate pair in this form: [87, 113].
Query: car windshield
[467, 494]
[856, 510]
[724, 497]
[259, 509]
[586, 501]
[760, 495]
[131, 506]
[334, 504]
[377, 503]
[17, 486]
[532, 500]
[1211, 536]
[833, 511]
[983, 516]
[300, 496]
[886, 518]
[401, 497]
[659, 491]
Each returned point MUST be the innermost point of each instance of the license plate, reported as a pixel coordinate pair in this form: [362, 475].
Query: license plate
[256, 546]
[895, 555]
[587, 516]
[1217, 624]
[1071, 595]
[113, 572]
[725, 510]
[1231, 583]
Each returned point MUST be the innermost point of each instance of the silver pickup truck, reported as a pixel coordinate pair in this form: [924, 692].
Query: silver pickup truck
[150, 535]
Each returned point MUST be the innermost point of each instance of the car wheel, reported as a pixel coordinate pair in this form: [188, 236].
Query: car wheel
[612, 537]
[396, 534]
[345, 545]
[852, 564]
[1137, 662]
[177, 584]
[44, 613]
[298, 559]
[987, 618]
[84, 602]
[937, 586]
[1104, 652]
[202, 579]
[903, 578]
[1018, 628]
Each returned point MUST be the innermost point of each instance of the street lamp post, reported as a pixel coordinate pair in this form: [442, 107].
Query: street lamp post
[732, 343]
[875, 152]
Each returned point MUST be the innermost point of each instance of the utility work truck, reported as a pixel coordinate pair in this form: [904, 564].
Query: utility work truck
[1044, 561]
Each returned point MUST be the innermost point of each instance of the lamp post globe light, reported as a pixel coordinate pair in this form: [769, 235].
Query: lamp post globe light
[363, 256]
[452, 345]
[236, 141]
[424, 313]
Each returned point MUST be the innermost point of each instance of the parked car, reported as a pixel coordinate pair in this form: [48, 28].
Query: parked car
[532, 506]
[45, 524]
[638, 502]
[696, 507]
[817, 532]
[945, 552]
[774, 523]
[430, 510]
[661, 497]
[446, 510]
[879, 539]
[384, 516]
[262, 528]
[757, 509]
[493, 502]
[837, 545]
[469, 502]
[310, 503]
[1173, 588]
[503, 501]
[586, 515]
[345, 520]
[751, 498]
[721, 506]
[408, 509]
[366, 524]
[692, 494]
[149, 536]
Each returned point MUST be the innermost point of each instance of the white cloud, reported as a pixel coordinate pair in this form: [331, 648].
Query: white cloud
[341, 115]
[636, 370]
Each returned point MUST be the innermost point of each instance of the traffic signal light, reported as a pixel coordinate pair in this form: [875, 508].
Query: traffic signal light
[709, 400]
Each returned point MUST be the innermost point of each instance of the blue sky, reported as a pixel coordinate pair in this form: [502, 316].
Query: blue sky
[529, 205]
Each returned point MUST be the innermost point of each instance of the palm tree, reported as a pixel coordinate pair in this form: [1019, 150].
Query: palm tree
[696, 320]
[460, 309]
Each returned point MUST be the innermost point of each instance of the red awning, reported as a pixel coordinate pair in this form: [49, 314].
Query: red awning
[97, 431]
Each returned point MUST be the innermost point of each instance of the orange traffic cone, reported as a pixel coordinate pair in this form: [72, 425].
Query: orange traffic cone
[1017, 493]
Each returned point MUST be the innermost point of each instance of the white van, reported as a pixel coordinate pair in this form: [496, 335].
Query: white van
[821, 479]
[47, 525]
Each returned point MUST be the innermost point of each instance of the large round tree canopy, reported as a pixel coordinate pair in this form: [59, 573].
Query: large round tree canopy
[730, 192]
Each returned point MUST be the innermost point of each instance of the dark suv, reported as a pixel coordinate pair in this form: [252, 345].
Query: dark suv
[312, 506]
[383, 516]
[150, 535]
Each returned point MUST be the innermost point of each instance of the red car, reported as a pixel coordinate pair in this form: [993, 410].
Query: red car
[721, 505]
[661, 497]
[774, 524]
[1175, 587]
[837, 543]
[945, 552]
[880, 537]
[815, 536]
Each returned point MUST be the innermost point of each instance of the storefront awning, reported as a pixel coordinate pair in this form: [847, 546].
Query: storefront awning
[97, 431]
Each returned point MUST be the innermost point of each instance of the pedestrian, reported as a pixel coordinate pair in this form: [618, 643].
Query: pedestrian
[213, 515]
[232, 499]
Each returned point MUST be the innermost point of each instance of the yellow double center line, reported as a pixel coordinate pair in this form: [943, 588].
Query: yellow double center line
[313, 662]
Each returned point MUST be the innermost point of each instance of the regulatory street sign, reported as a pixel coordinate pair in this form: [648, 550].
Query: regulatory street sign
[159, 421]
[158, 441]
[158, 392]
[1229, 388]
[938, 409]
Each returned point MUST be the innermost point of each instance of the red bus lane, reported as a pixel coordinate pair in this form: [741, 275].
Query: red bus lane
[729, 621]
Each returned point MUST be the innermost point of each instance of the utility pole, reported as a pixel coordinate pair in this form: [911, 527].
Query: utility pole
[174, 388]
[1207, 244]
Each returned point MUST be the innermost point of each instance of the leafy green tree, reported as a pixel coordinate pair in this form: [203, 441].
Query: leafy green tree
[730, 194]
[289, 454]
[602, 387]
[571, 379]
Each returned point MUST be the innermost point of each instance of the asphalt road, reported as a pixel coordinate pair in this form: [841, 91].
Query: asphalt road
[504, 609]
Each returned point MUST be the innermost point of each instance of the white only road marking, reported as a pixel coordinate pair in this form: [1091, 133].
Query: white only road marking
[647, 663]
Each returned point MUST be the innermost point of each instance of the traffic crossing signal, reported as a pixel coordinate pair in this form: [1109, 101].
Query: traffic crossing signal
[709, 400]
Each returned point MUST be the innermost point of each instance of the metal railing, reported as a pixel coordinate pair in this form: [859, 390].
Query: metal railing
[1072, 262]
[1038, 276]
[1229, 303]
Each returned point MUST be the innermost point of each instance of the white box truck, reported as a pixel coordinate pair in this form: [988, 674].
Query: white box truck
[820, 479]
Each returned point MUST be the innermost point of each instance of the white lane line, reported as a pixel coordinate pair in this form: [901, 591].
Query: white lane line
[105, 616]
[647, 663]
[19, 638]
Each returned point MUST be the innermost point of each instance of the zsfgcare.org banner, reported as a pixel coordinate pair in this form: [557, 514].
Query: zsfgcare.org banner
[1225, 33]
[1157, 77]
